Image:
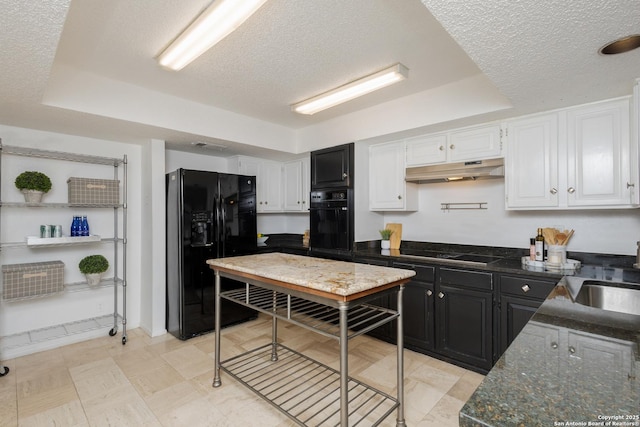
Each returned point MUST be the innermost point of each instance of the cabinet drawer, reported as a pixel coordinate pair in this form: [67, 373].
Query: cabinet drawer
[467, 279]
[524, 286]
[423, 272]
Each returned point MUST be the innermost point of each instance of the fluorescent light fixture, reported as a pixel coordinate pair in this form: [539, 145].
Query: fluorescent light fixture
[216, 22]
[352, 90]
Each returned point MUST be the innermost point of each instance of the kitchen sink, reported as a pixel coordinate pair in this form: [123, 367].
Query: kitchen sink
[609, 297]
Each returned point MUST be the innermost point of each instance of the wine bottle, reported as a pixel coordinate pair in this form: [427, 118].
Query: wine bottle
[539, 246]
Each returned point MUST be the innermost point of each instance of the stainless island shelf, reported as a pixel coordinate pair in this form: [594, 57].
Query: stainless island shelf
[307, 391]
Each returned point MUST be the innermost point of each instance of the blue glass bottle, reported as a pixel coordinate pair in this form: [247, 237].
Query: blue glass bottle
[84, 226]
[74, 227]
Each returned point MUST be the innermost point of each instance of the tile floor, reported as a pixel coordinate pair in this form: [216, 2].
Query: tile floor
[163, 381]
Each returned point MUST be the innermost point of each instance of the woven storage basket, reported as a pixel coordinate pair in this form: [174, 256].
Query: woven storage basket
[32, 279]
[90, 191]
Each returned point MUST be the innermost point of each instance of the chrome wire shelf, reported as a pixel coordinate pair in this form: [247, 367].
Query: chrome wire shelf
[305, 390]
[317, 317]
[58, 205]
[58, 155]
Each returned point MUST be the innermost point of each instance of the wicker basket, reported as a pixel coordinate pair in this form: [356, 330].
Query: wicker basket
[90, 191]
[32, 279]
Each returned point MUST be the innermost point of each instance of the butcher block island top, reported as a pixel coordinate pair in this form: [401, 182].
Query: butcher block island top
[338, 280]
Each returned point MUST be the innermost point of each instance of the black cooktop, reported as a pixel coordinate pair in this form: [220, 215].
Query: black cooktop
[457, 257]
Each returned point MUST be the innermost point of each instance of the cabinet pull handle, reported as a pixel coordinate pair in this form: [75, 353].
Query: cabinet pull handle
[629, 185]
[553, 191]
[526, 288]
[572, 349]
[440, 295]
[452, 146]
[429, 292]
[441, 148]
[571, 190]
[554, 345]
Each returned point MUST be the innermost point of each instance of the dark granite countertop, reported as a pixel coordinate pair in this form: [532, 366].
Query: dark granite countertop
[570, 365]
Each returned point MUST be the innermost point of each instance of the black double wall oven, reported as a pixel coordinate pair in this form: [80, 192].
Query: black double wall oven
[331, 213]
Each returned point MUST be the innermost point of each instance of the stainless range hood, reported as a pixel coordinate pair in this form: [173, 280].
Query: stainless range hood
[472, 170]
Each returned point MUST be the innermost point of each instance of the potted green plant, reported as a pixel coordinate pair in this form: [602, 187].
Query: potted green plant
[33, 185]
[385, 235]
[93, 267]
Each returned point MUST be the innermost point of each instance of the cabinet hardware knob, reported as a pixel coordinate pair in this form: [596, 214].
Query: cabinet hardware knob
[344, 176]
[266, 203]
[452, 146]
[571, 190]
[629, 185]
[399, 197]
[553, 191]
[429, 293]
[440, 295]
[554, 345]
[260, 202]
[526, 288]
[441, 148]
[572, 349]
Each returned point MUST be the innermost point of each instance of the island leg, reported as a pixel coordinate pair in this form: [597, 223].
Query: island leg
[400, 348]
[216, 378]
[274, 329]
[344, 367]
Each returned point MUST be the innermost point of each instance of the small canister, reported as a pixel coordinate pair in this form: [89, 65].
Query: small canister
[57, 231]
[45, 231]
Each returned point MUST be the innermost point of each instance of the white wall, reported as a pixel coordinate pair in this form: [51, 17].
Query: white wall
[19, 316]
[614, 231]
[178, 159]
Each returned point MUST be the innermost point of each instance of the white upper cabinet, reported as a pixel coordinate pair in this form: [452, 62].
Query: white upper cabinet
[388, 190]
[295, 184]
[531, 177]
[598, 161]
[268, 181]
[476, 143]
[581, 157]
[427, 149]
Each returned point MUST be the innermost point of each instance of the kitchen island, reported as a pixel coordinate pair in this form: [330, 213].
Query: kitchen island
[576, 362]
[330, 298]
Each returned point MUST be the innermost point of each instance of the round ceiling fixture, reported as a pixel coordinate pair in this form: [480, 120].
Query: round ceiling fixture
[622, 45]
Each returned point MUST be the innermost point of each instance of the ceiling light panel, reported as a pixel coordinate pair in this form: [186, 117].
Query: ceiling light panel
[352, 90]
[217, 21]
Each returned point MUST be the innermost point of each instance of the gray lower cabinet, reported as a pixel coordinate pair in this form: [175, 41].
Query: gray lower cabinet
[520, 297]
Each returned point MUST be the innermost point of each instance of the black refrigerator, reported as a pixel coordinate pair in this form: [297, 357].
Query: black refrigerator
[209, 215]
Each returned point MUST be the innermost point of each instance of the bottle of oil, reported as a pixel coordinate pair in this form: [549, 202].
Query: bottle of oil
[539, 246]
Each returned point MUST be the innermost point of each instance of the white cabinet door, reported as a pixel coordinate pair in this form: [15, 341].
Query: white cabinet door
[426, 149]
[531, 178]
[598, 160]
[387, 187]
[292, 186]
[269, 192]
[306, 182]
[474, 143]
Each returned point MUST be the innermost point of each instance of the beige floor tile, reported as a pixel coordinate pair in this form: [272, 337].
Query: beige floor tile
[70, 414]
[150, 382]
[8, 401]
[198, 412]
[171, 398]
[189, 361]
[98, 379]
[465, 386]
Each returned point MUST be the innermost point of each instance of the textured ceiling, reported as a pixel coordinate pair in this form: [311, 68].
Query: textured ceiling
[539, 54]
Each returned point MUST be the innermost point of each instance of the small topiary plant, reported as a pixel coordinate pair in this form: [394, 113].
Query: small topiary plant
[386, 234]
[31, 180]
[93, 264]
